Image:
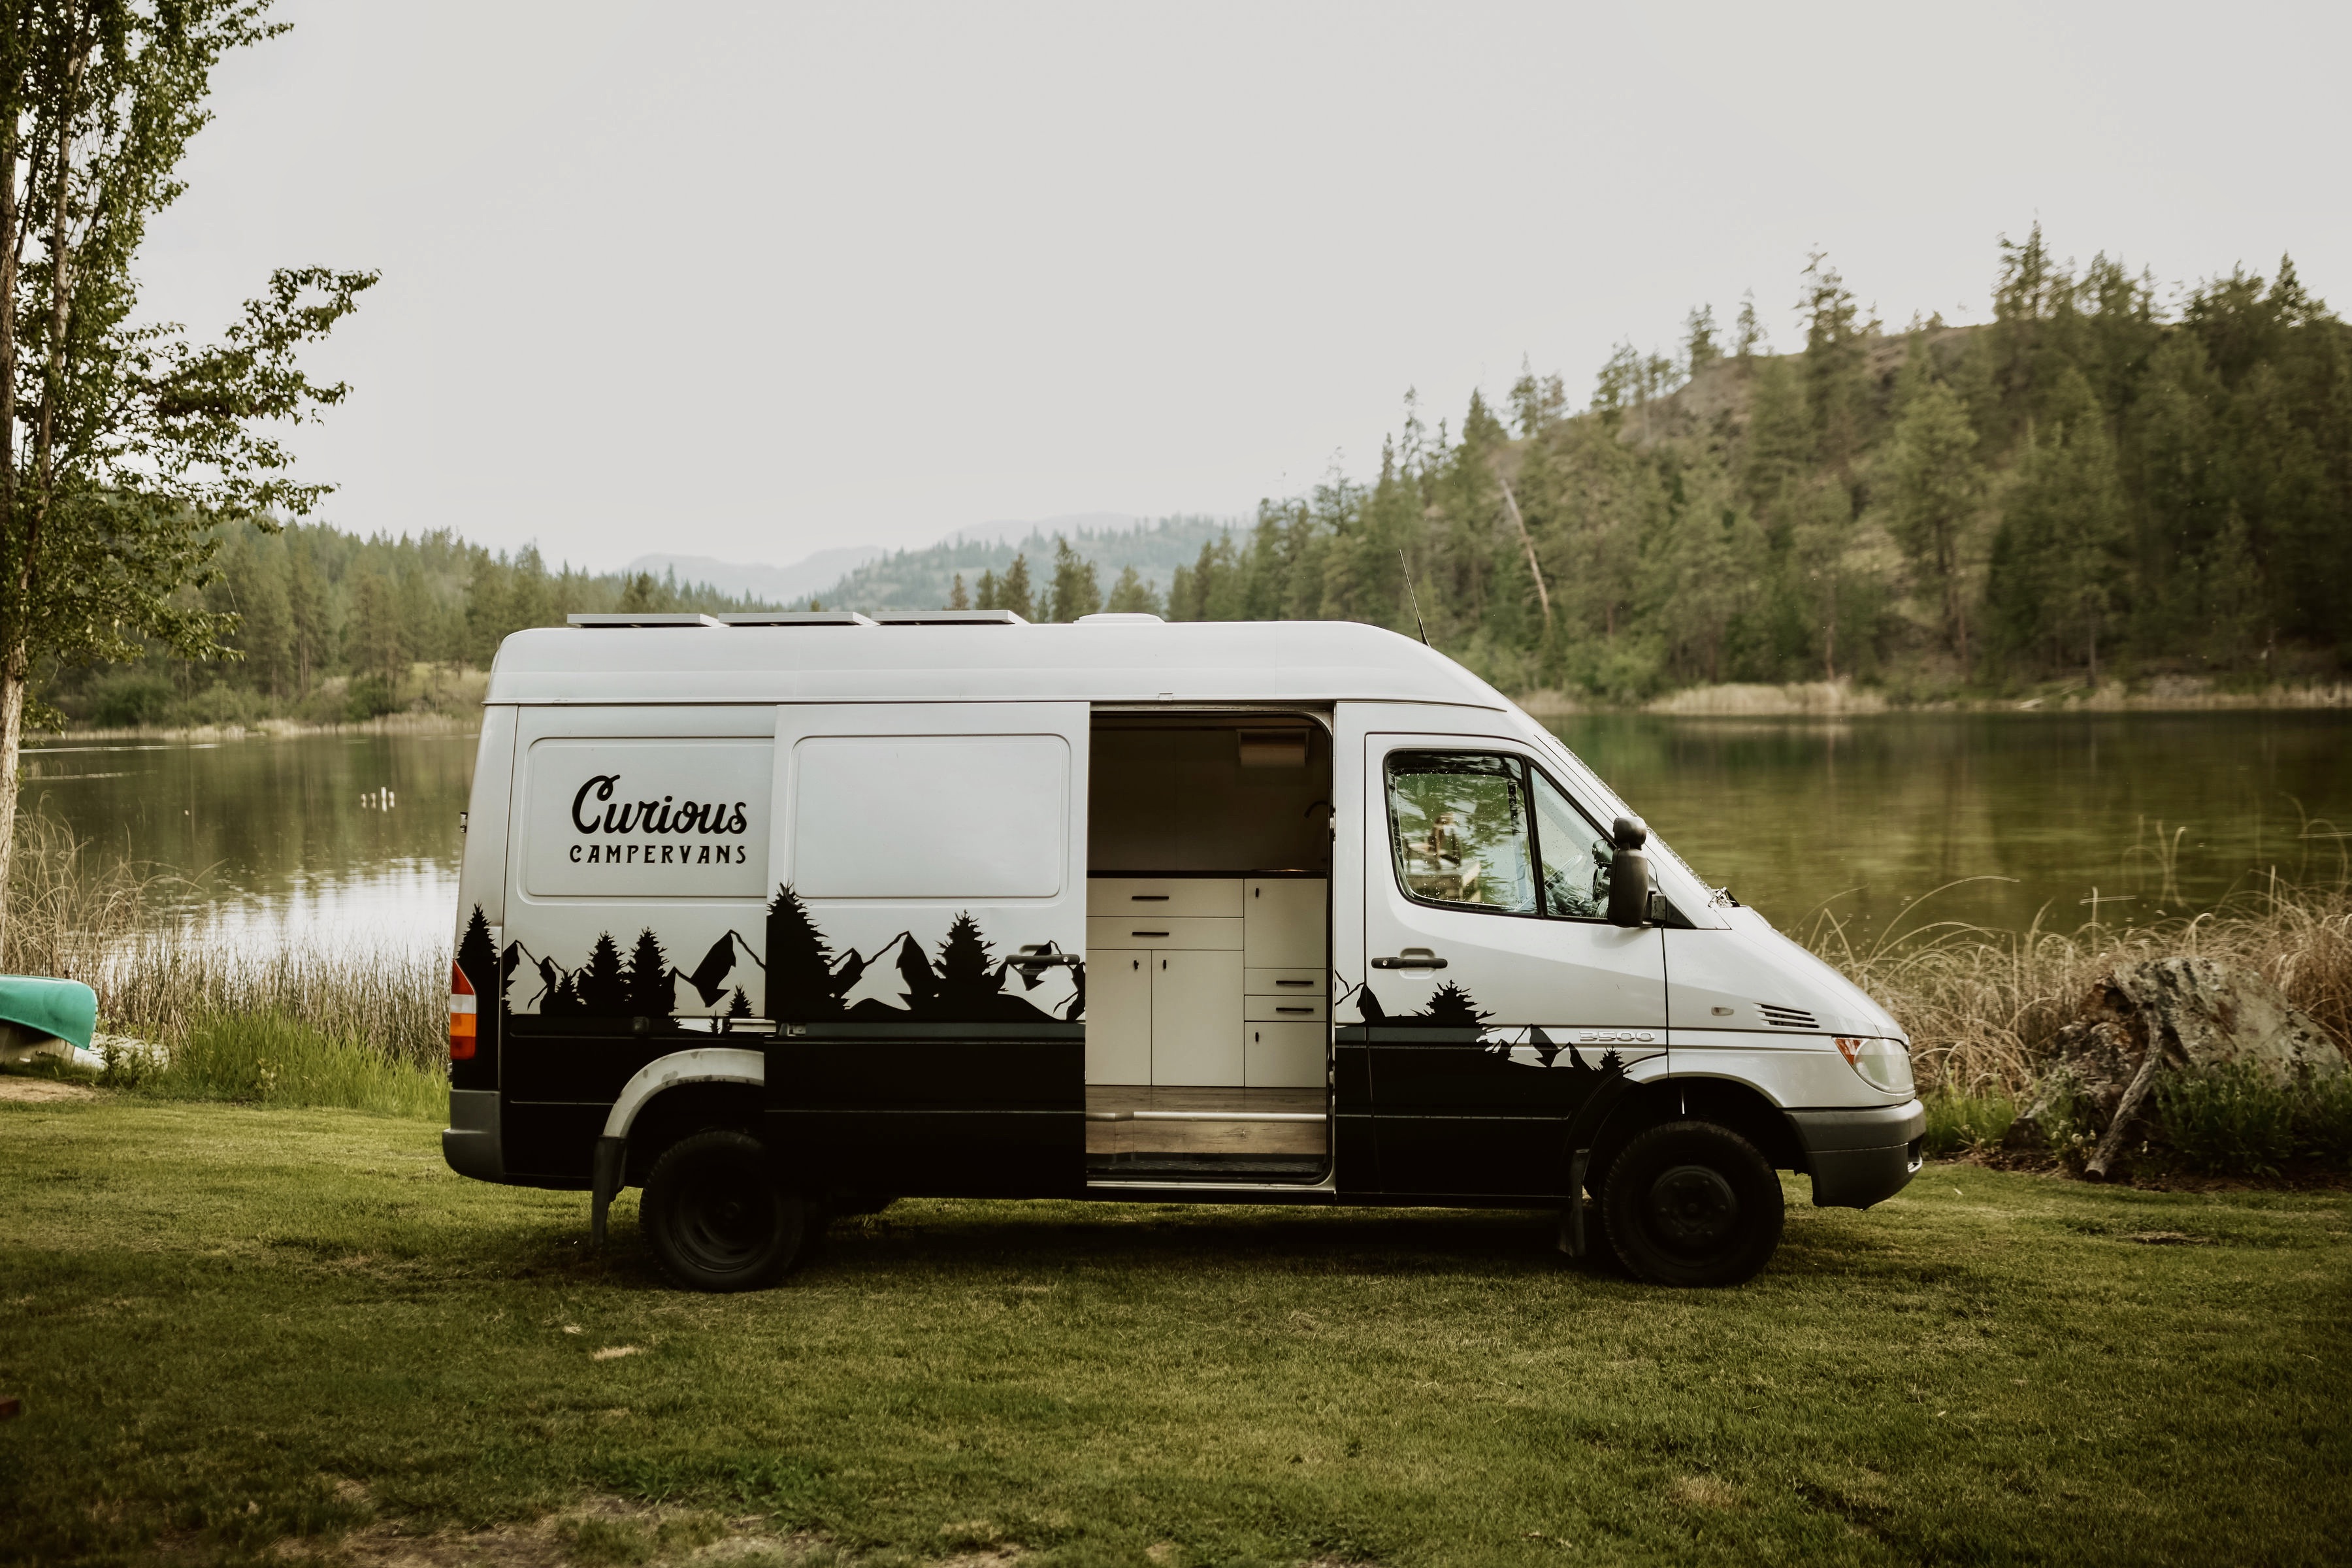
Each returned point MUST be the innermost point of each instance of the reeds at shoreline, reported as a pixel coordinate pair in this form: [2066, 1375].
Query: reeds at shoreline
[111, 924]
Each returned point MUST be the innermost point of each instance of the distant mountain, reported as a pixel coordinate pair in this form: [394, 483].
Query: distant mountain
[777, 584]
[922, 579]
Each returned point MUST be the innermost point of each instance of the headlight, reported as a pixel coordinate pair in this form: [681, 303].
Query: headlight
[1883, 1064]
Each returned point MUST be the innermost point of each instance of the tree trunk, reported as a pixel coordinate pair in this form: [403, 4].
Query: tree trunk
[12, 740]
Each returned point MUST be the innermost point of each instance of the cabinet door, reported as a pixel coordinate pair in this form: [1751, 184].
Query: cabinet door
[1196, 1001]
[1285, 1055]
[1283, 921]
[1118, 1017]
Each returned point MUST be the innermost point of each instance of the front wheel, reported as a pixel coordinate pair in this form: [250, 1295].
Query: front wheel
[1692, 1203]
[717, 1216]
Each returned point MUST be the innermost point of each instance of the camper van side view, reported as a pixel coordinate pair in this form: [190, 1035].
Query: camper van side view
[781, 917]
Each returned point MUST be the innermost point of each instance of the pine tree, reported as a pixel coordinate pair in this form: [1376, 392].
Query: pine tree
[306, 606]
[957, 598]
[985, 599]
[2058, 557]
[602, 983]
[1132, 595]
[740, 1004]
[1933, 490]
[1699, 348]
[1075, 591]
[1013, 589]
[653, 993]
[267, 634]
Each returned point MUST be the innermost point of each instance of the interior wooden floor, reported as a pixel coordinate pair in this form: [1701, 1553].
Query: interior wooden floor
[1126, 1122]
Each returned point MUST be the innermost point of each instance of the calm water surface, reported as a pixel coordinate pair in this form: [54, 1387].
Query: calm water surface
[355, 839]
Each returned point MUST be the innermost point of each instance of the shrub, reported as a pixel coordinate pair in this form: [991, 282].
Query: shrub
[2229, 1120]
[370, 697]
[1959, 1122]
[130, 696]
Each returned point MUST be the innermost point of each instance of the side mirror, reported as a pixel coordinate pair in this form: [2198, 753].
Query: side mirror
[1628, 873]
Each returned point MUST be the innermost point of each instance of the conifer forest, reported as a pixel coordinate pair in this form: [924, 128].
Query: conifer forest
[2111, 479]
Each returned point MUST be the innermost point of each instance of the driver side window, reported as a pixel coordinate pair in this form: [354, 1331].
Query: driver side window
[1476, 830]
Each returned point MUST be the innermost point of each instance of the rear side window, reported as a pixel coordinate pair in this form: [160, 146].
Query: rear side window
[1480, 830]
[929, 816]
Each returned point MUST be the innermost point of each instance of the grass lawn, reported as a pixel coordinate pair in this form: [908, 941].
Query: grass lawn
[271, 1333]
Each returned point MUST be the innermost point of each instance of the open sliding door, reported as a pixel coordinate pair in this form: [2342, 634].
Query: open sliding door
[926, 942]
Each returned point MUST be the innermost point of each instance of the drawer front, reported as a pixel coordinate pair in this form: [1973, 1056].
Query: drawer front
[1171, 897]
[1182, 932]
[1283, 982]
[1303, 1009]
[1284, 1056]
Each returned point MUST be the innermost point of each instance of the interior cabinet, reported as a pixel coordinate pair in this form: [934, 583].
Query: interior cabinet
[1118, 1018]
[1194, 999]
[1207, 981]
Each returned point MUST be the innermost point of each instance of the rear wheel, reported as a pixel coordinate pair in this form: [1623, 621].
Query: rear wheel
[717, 1217]
[1692, 1203]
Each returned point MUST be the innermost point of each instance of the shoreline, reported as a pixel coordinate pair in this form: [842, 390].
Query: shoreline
[1841, 700]
[271, 730]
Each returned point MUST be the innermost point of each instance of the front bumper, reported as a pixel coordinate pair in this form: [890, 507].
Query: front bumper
[1858, 1158]
[470, 1142]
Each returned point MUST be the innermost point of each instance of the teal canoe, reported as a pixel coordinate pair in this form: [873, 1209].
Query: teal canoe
[43, 1005]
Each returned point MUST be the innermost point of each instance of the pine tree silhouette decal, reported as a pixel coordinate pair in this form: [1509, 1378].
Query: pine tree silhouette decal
[562, 1000]
[651, 992]
[739, 1006]
[1610, 1062]
[603, 985]
[967, 985]
[479, 957]
[801, 985]
[1450, 1008]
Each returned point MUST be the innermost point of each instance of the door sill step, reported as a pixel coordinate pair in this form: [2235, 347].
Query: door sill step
[1207, 1116]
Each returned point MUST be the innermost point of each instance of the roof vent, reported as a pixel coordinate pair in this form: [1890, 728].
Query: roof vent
[611, 621]
[797, 618]
[948, 619]
[1119, 618]
[1787, 1017]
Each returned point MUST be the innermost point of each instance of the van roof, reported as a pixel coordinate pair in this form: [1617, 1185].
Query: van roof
[1103, 662]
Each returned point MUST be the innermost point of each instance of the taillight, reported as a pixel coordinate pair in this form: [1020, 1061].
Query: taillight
[461, 1016]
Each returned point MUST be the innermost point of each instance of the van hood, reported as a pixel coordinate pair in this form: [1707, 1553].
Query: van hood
[1746, 976]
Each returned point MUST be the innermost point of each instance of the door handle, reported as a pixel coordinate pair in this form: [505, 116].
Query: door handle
[1411, 958]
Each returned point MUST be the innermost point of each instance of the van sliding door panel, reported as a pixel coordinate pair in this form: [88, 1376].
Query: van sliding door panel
[925, 944]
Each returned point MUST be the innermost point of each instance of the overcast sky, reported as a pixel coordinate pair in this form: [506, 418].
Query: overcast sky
[752, 280]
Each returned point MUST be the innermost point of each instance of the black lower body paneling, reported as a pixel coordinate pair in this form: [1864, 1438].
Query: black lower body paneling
[933, 1111]
[549, 1141]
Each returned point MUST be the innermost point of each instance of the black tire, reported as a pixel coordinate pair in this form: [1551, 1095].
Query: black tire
[1693, 1203]
[717, 1216]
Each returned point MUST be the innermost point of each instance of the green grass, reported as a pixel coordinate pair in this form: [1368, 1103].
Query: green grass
[234, 1325]
[271, 1058]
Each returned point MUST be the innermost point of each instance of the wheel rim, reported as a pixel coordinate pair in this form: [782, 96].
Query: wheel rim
[724, 1225]
[1692, 1209]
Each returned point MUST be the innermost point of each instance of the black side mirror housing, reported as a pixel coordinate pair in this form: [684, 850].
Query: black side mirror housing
[1628, 873]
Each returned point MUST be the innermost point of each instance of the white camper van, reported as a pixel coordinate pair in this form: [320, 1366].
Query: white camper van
[783, 915]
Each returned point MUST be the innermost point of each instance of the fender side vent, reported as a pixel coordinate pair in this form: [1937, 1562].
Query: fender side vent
[1787, 1017]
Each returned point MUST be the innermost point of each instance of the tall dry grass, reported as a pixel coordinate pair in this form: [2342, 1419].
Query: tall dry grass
[117, 925]
[1983, 1006]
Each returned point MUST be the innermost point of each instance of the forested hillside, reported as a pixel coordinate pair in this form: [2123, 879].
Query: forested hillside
[332, 627]
[2096, 482]
[2101, 482]
[926, 579]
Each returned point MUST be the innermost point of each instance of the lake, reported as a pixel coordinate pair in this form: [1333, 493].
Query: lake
[353, 839]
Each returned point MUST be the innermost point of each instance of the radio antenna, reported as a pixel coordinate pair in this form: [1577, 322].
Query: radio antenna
[1416, 599]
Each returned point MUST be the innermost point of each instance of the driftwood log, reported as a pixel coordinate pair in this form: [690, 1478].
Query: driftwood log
[2145, 1017]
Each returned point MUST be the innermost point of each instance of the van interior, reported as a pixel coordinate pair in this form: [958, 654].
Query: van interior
[1207, 943]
